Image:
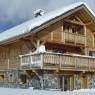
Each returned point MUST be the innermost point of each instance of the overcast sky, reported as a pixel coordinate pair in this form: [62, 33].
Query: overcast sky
[14, 12]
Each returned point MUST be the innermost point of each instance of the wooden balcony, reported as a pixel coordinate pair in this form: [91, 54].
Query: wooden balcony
[74, 38]
[58, 61]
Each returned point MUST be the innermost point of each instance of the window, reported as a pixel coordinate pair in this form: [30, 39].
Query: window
[73, 28]
[91, 53]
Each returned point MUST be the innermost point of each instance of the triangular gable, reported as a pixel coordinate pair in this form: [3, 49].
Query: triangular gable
[39, 23]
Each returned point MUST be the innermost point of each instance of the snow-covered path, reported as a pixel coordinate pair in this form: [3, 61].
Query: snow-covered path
[12, 91]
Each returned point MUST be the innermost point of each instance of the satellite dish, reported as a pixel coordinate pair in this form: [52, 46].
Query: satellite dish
[39, 12]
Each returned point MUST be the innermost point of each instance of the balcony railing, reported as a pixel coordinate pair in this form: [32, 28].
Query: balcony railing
[57, 60]
[75, 38]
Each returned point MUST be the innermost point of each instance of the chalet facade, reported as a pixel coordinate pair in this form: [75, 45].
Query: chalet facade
[54, 51]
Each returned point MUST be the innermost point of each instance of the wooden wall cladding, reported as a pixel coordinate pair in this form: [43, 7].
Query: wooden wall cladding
[52, 32]
[89, 37]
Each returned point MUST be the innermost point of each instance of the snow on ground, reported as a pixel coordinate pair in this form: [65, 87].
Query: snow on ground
[15, 91]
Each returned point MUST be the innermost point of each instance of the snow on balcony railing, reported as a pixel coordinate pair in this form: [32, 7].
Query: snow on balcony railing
[31, 60]
[59, 59]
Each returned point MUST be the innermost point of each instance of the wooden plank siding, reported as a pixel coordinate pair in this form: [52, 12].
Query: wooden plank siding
[9, 55]
[89, 37]
[52, 32]
[9, 58]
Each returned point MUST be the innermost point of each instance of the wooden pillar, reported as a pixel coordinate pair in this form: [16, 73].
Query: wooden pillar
[62, 83]
[38, 43]
[72, 83]
[87, 81]
[51, 36]
[85, 32]
[42, 83]
[8, 64]
[8, 61]
[93, 36]
[62, 34]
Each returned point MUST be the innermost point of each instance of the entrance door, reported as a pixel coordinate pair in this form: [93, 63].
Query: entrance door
[23, 78]
[65, 83]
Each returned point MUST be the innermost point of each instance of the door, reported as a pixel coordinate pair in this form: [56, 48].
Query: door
[65, 83]
[23, 78]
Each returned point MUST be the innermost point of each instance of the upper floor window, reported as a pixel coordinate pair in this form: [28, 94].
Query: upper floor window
[73, 28]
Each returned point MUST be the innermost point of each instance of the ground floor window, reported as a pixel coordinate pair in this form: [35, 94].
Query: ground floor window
[77, 82]
[1, 78]
[91, 82]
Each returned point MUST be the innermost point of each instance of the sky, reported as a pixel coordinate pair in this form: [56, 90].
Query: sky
[14, 12]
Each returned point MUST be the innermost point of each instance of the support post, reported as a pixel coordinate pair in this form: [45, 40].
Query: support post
[51, 36]
[20, 62]
[85, 30]
[38, 43]
[42, 60]
[8, 64]
[71, 83]
[74, 81]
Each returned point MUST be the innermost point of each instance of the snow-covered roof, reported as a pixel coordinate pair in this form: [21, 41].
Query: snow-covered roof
[26, 27]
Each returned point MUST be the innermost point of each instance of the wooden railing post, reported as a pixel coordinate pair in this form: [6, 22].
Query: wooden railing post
[75, 39]
[21, 62]
[89, 64]
[42, 60]
[30, 63]
[8, 64]
[64, 37]
[60, 63]
[75, 62]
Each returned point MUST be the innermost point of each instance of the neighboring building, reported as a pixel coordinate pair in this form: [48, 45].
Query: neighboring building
[53, 51]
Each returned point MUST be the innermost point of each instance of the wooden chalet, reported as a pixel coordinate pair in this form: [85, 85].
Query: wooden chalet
[54, 51]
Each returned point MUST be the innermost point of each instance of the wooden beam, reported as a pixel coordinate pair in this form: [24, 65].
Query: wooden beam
[74, 22]
[79, 19]
[94, 32]
[43, 42]
[34, 43]
[88, 23]
[37, 74]
[31, 40]
[30, 44]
